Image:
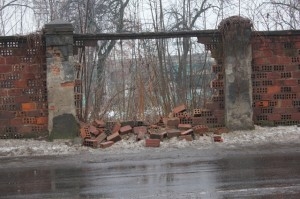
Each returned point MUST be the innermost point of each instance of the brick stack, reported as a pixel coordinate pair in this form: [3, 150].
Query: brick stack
[276, 80]
[23, 89]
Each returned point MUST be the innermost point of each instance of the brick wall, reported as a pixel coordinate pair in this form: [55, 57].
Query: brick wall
[23, 91]
[276, 79]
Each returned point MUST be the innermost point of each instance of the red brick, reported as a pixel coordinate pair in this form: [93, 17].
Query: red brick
[296, 116]
[6, 114]
[140, 129]
[41, 120]
[99, 123]
[5, 69]
[101, 137]
[93, 130]
[187, 132]
[158, 135]
[116, 127]
[286, 103]
[23, 98]
[125, 130]
[296, 74]
[218, 138]
[198, 121]
[28, 106]
[263, 103]
[90, 143]
[274, 117]
[115, 137]
[140, 135]
[173, 133]
[200, 129]
[152, 143]
[67, 84]
[179, 109]
[12, 60]
[273, 89]
[107, 144]
[14, 92]
[186, 137]
[173, 122]
[84, 132]
[273, 75]
[184, 126]
[16, 122]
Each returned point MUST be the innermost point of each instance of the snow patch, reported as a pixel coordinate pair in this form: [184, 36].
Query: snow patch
[261, 135]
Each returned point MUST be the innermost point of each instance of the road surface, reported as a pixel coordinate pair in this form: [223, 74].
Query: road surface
[246, 172]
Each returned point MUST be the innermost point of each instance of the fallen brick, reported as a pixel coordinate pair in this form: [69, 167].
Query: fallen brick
[152, 142]
[200, 129]
[99, 123]
[90, 143]
[116, 127]
[84, 132]
[173, 122]
[187, 132]
[114, 137]
[173, 133]
[179, 109]
[158, 135]
[186, 137]
[138, 129]
[93, 130]
[184, 126]
[140, 136]
[107, 144]
[125, 130]
[100, 138]
[218, 138]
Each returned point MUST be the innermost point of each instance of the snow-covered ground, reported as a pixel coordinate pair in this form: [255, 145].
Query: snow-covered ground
[235, 139]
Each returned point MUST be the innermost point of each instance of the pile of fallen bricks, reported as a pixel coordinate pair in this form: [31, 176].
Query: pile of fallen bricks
[100, 134]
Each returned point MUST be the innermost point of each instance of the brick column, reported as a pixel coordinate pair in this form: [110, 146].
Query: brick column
[60, 79]
[237, 58]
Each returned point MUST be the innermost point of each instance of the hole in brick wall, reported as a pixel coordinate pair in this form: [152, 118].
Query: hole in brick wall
[20, 114]
[266, 110]
[279, 67]
[217, 68]
[215, 39]
[29, 120]
[217, 84]
[260, 90]
[285, 96]
[7, 84]
[266, 68]
[26, 59]
[255, 68]
[272, 103]
[256, 97]
[2, 44]
[31, 51]
[13, 76]
[220, 77]
[186, 120]
[221, 92]
[206, 114]
[288, 45]
[218, 98]
[295, 59]
[286, 89]
[12, 44]
[6, 52]
[210, 46]
[211, 120]
[262, 117]
[256, 83]
[286, 75]
[79, 43]
[296, 103]
[261, 75]
[286, 117]
[267, 83]
[7, 100]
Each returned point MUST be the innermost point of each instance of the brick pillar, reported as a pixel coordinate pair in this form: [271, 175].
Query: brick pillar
[60, 79]
[237, 58]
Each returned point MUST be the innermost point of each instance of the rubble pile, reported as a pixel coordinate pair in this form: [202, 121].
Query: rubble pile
[100, 134]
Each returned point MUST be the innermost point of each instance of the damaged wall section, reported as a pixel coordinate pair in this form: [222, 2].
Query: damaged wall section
[61, 80]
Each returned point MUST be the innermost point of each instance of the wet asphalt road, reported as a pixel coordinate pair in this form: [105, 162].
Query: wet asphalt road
[257, 172]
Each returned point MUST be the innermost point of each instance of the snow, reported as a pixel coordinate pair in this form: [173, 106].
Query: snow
[235, 139]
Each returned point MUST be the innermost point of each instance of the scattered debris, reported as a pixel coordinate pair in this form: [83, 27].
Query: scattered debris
[179, 124]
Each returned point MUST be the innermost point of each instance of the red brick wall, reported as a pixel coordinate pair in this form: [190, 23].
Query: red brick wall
[276, 79]
[23, 89]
